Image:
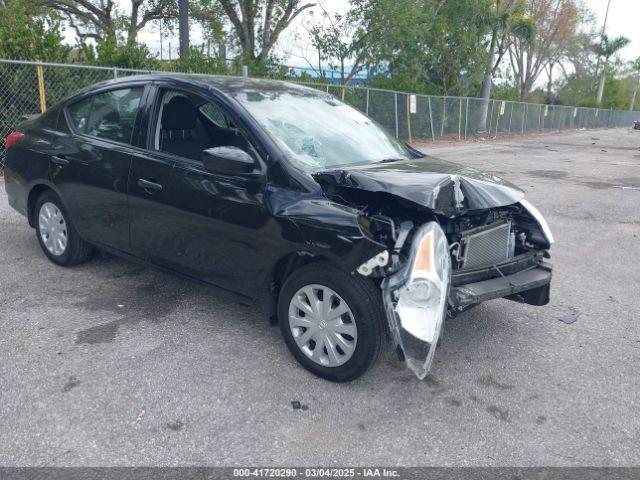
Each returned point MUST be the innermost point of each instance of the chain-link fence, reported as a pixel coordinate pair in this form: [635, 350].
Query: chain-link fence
[26, 88]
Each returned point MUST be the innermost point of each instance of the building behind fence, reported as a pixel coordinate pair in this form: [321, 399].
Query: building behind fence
[28, 88]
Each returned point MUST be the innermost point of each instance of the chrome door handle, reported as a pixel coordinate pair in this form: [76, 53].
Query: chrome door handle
[149, 186]
[59, 160]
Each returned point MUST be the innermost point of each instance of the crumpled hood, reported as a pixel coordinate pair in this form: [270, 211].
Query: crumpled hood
[447, 188]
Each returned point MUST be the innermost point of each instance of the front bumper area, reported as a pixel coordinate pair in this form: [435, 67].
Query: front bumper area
[525, 279]
[528, 286]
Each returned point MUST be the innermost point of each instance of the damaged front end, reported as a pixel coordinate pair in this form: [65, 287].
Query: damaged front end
[451, 245]
[446, 266]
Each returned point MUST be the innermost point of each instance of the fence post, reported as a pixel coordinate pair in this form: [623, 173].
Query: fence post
[115, 72]
[524, 118]
[344, 89]
[396, 111]
[460, 119]
[511, 117]
[491, 117]
[367, 107]
[245, 71]
[433, 135]
[540, 117]
[444, 116]
[41, 90]
[466, 118]
[498, 119]
[409, 119]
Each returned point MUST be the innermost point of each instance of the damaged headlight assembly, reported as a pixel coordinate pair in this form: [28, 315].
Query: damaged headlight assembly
[415, 298]
[537, 216]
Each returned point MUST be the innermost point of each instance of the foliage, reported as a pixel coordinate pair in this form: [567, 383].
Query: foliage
[26, 34]
[502, 49]
[608, 47]
[579, 91]
[257, 24]
[555, 22]
[112, 53]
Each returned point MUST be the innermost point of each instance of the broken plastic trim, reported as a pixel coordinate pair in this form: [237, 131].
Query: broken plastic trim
[537, 216]
[379, 260]
[415, 298]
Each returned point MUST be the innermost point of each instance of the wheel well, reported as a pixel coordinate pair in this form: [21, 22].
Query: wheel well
[281, 271]
[31, 201]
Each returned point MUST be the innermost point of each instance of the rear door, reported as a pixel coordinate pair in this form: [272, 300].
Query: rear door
[92, 168]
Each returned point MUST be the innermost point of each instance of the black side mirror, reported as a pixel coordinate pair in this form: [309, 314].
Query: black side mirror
[227, 160]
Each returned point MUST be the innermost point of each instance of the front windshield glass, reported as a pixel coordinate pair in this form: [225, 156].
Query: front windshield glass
[318, 132]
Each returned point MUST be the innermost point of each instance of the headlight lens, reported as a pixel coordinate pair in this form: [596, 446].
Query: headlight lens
[542, 223]
[422, 299]
[416, 298]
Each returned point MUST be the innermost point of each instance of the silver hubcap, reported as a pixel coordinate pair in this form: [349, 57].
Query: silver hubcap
[53, 228]
[322, 325]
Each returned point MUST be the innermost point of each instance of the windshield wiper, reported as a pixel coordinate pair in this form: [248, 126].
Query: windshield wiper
[391, 160]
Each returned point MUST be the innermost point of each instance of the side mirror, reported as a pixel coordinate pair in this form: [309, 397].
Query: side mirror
[227, 160]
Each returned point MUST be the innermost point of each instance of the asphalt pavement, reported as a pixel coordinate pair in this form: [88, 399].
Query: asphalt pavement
[110, 363]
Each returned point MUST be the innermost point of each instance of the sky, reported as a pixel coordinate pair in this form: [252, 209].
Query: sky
[294, 47]
[624, 19]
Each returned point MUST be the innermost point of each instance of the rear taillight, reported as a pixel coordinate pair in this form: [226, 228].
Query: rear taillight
[12, 138]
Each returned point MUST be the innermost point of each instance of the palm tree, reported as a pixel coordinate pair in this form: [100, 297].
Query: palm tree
[607, 48]
[636, 67]
[504, 19]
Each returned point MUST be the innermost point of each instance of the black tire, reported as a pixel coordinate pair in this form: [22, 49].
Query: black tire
[364, 299]
[77, 250]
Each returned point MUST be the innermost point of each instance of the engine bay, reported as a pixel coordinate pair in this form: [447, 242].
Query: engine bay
[493, 235]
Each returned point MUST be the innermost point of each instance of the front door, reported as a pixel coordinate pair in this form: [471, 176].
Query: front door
[183, 217]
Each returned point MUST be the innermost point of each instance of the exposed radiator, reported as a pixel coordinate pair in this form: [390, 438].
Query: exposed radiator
[488, 245]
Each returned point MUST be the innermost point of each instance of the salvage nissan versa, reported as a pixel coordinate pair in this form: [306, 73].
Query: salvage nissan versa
[283, 195]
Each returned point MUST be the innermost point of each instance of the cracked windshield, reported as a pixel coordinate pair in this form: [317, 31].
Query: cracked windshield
[318, 132]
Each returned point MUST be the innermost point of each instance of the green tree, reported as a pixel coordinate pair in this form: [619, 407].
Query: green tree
[555, 23]
[506, 20]
[635, 68]
[28, 33]
[113, 53]
[257, 24]
[607, 48]
[102, 20]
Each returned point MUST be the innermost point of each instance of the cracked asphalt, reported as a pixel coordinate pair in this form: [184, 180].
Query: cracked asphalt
[110, 363]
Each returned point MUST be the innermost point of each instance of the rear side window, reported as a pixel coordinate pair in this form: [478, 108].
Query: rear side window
[110, 115]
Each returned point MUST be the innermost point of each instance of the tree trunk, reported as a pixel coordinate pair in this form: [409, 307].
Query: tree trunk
[550, 82]
[601, 84]
[633, 97]
[183, 8]
[487, 82]
[133, 23]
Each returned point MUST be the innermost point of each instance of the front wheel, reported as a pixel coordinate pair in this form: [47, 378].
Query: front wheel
[331, 321]
[56, 234]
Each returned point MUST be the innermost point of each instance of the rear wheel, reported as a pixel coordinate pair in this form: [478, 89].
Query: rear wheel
[56, 234]
[331, 321]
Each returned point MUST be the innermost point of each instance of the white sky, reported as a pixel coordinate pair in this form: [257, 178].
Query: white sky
[293, 47]
[624, 19]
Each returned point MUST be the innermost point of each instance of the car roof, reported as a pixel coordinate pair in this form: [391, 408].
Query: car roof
[227, 84]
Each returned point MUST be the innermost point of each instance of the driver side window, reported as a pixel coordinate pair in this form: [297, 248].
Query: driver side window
[188, 124]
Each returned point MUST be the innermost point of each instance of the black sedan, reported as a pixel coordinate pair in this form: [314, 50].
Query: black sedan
[282, 195]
